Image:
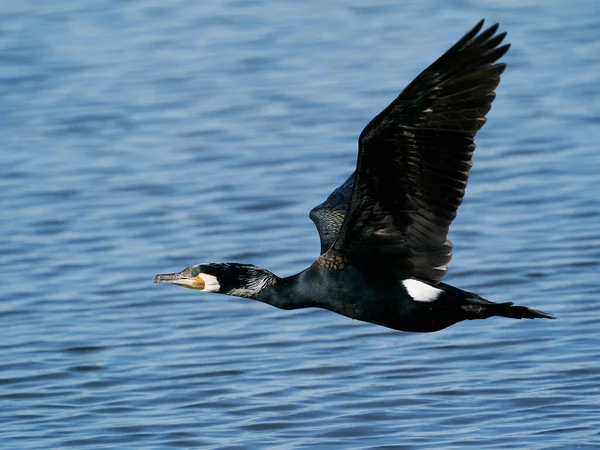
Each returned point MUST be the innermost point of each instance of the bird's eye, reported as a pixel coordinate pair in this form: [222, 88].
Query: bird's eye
[195, 273]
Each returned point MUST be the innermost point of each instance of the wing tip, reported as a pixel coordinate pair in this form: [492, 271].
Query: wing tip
[478, 26]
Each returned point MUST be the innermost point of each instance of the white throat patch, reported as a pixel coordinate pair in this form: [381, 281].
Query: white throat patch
[211, 284]
[421, 292]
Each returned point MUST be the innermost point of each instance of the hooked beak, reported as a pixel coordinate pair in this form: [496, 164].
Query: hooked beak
[166, 278]
[181, 279]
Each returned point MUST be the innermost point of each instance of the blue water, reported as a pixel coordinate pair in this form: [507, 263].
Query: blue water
[143, 137]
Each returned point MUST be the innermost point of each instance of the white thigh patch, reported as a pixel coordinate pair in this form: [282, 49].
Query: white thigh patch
[421, 292]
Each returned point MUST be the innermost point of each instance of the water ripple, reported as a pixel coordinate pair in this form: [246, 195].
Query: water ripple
[140, 139]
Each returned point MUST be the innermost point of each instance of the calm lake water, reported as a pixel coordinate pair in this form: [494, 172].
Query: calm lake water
[143, 137]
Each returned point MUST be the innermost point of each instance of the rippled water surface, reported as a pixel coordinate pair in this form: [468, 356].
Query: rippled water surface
[143, 137]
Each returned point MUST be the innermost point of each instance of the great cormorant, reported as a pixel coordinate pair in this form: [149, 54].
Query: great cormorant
[383, 232]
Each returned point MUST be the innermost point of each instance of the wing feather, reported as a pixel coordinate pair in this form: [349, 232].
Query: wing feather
[414, 162]
[329, 215]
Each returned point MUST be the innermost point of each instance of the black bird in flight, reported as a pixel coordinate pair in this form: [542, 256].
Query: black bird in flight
[384, 246]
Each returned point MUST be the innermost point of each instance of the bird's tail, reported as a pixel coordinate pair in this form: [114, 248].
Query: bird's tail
[519, 312]
[482, 309]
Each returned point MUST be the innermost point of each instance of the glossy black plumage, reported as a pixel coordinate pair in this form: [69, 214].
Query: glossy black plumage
[383, 232]
[426, 135]
[329, 215]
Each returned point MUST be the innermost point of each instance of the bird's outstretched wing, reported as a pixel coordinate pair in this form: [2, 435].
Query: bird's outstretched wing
[414, 160]
[329, 215]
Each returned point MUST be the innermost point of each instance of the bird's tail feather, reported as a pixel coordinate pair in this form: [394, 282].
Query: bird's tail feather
[484, 309]
[520, 312]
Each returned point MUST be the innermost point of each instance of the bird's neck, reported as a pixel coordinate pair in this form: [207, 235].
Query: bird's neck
[283, 293]
[248, 281]
[268, 288]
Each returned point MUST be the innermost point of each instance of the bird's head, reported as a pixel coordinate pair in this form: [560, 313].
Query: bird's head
[202, 277]
[242, 280]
